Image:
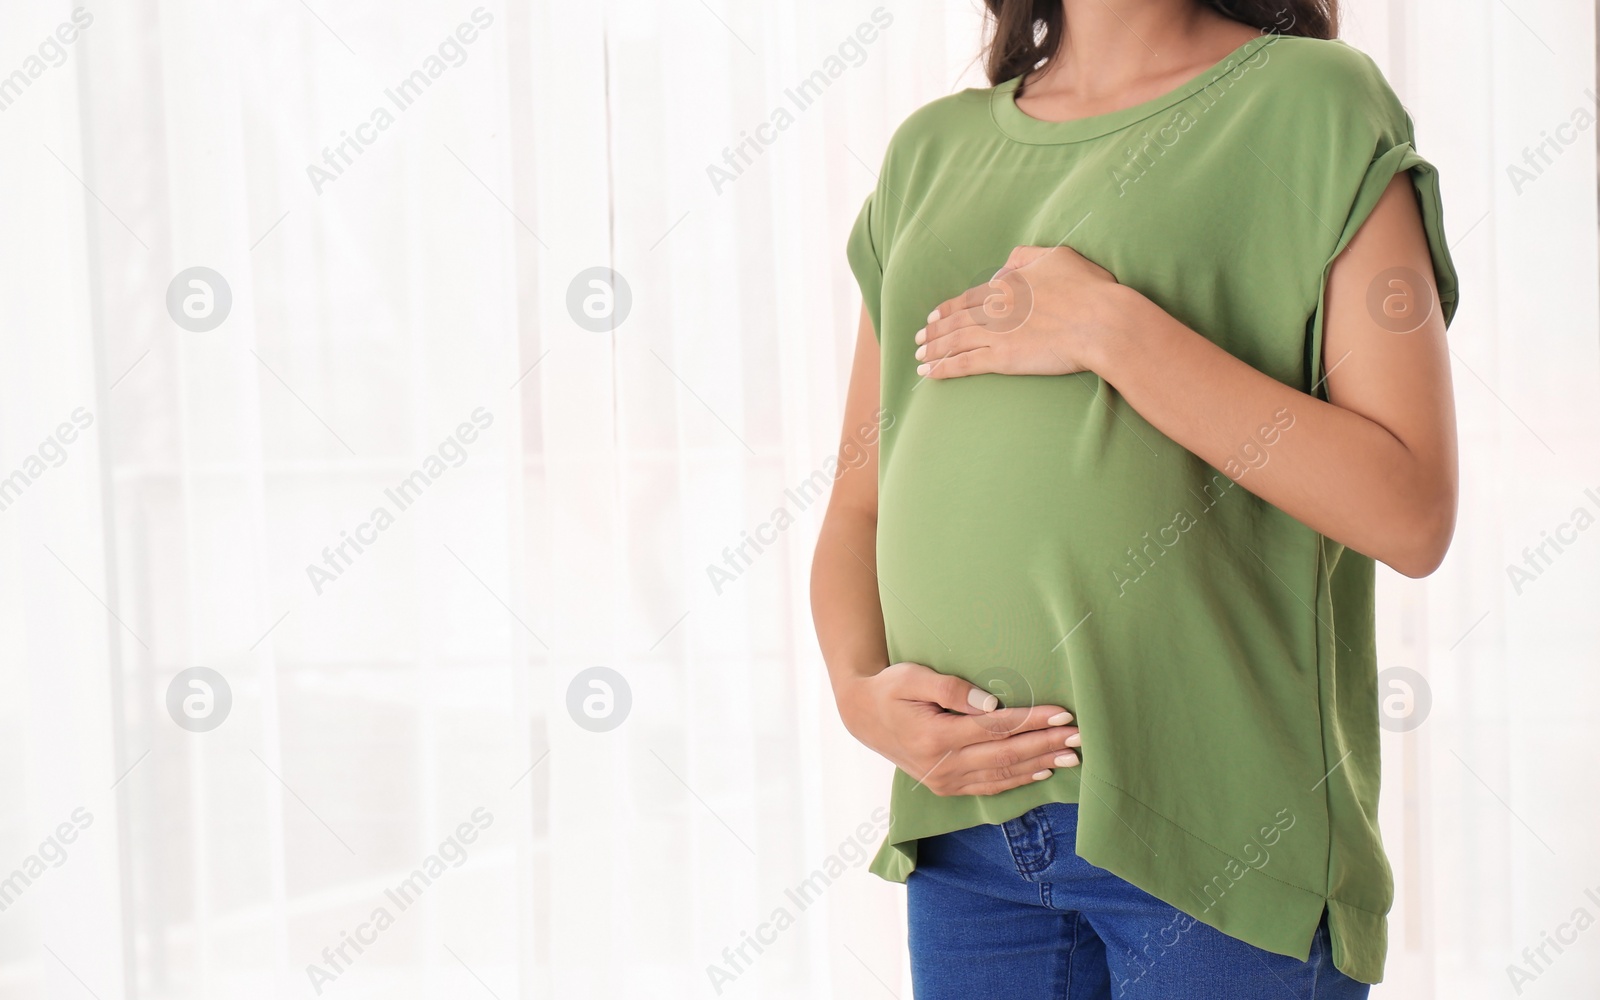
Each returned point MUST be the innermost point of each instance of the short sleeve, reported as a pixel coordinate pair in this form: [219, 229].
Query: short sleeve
[865, 261]
[1394, 153]
[1399, 158]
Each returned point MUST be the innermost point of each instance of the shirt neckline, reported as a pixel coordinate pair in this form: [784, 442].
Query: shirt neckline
[1023, 127]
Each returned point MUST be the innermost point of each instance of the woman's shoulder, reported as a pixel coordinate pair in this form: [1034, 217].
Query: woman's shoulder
[1315, 75]
[942, 119]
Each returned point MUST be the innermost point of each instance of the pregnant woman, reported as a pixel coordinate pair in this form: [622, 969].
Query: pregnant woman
[1151, 369]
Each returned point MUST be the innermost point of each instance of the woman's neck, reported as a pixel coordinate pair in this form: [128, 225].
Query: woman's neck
[1112, 49]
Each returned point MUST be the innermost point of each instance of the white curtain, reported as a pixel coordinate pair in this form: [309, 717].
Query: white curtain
[1489, 806]
[503, 568]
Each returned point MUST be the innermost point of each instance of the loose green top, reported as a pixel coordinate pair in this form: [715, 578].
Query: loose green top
[1041, 539]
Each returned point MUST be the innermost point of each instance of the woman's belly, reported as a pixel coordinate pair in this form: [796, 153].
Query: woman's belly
[1010, 508]
[1040, 539]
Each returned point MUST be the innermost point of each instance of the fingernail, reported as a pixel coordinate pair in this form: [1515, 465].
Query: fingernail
[1067, 760]
[922, 335]
[1060, 719]
[922, 352]
[1041, 775]
[982, 700]
[1075, 740]
[933, 317]
[924, 369]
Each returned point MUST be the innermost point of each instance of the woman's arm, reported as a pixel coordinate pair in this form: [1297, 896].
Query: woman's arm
[936, 727]
[844, 582]
[1375, 468]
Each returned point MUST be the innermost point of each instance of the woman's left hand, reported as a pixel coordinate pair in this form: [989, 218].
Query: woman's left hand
[1043, 313]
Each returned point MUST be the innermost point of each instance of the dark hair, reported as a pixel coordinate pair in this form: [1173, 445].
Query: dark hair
[1028, 32]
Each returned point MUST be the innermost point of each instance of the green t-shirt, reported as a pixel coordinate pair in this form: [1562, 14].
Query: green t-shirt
[1041, 539]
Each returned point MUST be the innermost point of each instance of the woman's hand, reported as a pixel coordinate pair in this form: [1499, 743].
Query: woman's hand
[1043, 313]
[974, 748]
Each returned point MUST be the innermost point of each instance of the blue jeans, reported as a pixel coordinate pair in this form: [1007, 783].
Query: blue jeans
[1011, 912]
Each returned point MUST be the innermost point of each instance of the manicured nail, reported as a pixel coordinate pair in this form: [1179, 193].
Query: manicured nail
[1067, 760]
[1041, 776]
[1075, 740]
[924, 369]
[933, 317]
[922, 352]
[982, 700]
[1060, 719]
[922, 335]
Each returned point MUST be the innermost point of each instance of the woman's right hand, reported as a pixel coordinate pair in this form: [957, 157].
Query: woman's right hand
[950, 736]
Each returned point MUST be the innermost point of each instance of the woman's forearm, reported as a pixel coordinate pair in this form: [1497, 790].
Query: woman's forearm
[1331, 468]
[844, 598]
